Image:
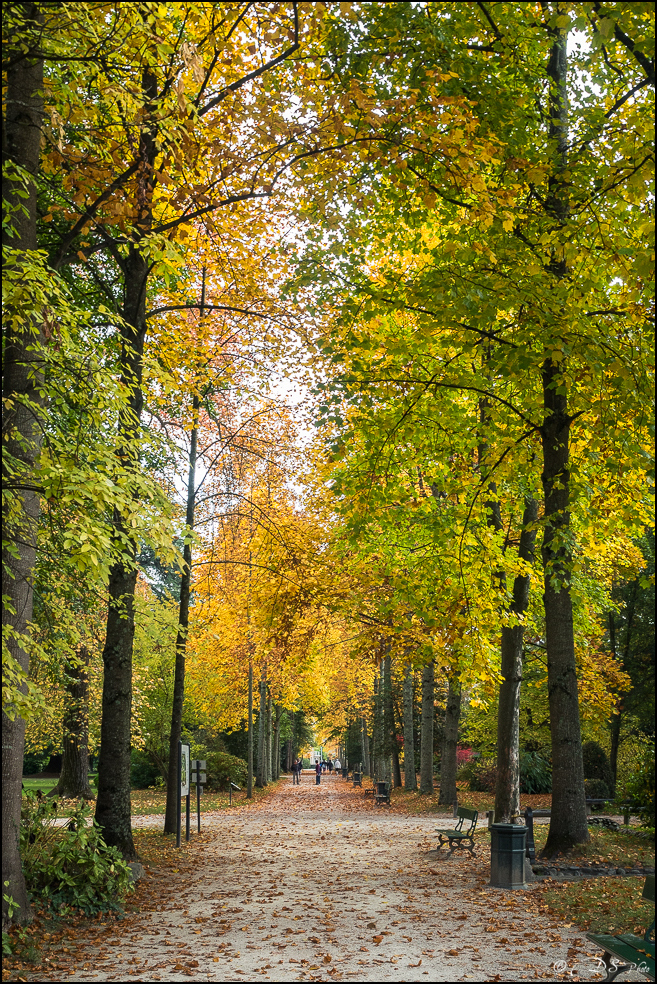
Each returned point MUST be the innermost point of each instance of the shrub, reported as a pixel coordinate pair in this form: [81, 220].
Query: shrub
[71, 865]
[480, 774]
[596, 764]
[223, 769]
[596, 789]
[535, 773]
[143, 773]
[35, 762]
[640, 788]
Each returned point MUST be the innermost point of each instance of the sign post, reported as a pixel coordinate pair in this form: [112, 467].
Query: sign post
[199, 777]
[183, 787]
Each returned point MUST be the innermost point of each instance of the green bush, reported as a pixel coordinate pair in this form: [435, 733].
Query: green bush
[596, 789]
[480, 773]
[223, 769]
[596, 764]
[535, 773]
[640, 788]
[143, 774]
[71, 865]
[35, 762]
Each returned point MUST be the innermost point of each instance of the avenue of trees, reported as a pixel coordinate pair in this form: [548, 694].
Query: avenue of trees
[328, 372]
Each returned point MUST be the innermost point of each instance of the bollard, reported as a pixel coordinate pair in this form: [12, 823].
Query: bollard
[507, 855]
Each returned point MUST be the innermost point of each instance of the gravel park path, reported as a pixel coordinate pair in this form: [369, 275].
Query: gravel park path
[316, 883]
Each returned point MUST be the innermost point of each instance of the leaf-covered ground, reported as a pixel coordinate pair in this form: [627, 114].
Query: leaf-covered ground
[318, 884]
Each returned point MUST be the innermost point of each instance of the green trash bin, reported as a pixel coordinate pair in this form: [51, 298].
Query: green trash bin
[507, 855]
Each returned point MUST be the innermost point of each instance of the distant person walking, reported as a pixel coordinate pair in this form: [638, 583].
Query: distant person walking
[337, 765]
[295, 772]
[299, 768]
[330, 765]
[318, 772]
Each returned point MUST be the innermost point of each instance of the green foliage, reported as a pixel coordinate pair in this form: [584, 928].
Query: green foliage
[223, 769]
[69, 866]
[640, 788]
[596, 789]
[535, 773]
[481, 774]
[34, 762]
[143, 774]
[596, 766]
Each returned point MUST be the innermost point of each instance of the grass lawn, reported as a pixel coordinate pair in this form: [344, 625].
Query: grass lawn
[147, 802]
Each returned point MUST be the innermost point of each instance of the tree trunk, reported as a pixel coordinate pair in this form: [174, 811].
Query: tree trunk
[410, 776]
[74, 778]
[249, 776]
[365, 745]
[426, 732]
[450, 742]
[261, 770]
[507, 787]
[392, 756]
[276, 746]
[268, 742]
[21, 430]
[568, 823]
[113, 809]
[171, 814]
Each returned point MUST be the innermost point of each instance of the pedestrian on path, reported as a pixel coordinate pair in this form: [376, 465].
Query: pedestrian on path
[318, 772]
[295, 772]
[299, 768]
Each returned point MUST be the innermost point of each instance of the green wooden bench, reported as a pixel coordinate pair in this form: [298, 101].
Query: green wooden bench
[458, 836]
[634, 951]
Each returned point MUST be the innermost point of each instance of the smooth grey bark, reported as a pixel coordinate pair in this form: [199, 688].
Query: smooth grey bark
[410, 776]
[426, 730]
[249, 777]
[507, 786]
[73, 781]
[568, 822]
[171, 810]
[21, 430]
[450, 742]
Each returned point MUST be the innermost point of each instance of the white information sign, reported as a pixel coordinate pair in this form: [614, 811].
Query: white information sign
[184, 771]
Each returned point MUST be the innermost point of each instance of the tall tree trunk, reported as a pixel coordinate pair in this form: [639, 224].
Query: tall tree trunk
[171, 813]
[113, 808]
[568, 823]
[276, 745]
[426, 732]
[268, 742]
[249, 775]
[21, 430]
[74, 778]
[410, 776]
[365, 745]
[392, 752]
[261, 769]
[450, 742]
[507, 787]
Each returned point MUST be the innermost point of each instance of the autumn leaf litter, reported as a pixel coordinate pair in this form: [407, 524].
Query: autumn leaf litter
[316, 883]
